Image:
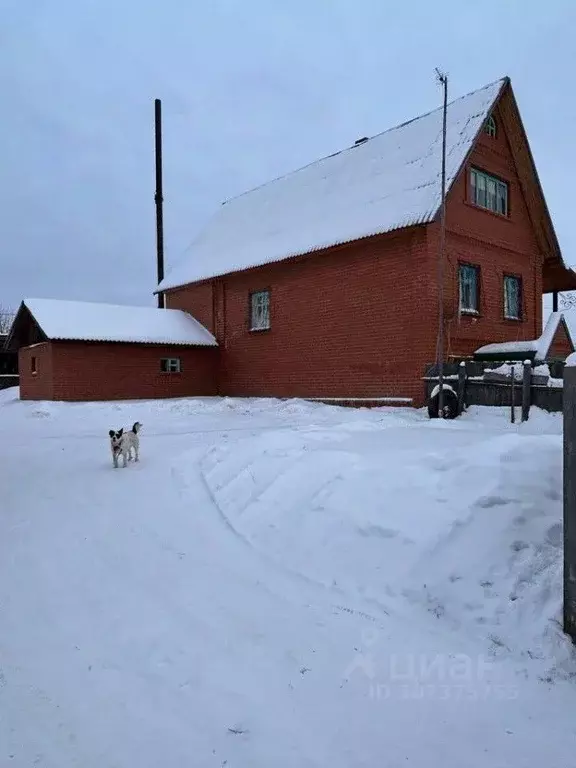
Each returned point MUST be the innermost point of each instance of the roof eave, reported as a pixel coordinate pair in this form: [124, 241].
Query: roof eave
[142, 342]
[554, 243]
[423, 221]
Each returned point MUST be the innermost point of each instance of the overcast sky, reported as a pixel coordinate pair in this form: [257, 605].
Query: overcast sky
[251, 89]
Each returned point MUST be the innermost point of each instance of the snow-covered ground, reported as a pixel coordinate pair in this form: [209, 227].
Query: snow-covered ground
[281, 584]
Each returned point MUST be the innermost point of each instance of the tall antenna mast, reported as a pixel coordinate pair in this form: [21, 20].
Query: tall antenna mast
[159, 199]
[443, 80]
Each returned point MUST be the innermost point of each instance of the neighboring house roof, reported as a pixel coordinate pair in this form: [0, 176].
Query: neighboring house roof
[388, 182]
[536, 349]
[88, 321]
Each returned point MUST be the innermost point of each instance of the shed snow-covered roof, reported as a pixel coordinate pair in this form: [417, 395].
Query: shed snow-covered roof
[89, 321]
[537, 348]
[388, 182]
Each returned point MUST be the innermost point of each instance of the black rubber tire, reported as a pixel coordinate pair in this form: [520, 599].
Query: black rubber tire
[450, 405]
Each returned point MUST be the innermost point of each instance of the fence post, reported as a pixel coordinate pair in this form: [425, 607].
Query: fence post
[526, 389]
[512, 393]
[569, 408]
[461, 387]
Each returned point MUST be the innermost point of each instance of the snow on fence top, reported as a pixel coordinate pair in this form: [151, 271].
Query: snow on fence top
[539, 348]
[388, 182]
[89, 321]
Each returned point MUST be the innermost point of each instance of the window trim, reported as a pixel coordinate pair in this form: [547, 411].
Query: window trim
[520, 317]
[491, 128]
[251, 294]
[465, 310]
[168, 360]
[34, 365]
[498, 180]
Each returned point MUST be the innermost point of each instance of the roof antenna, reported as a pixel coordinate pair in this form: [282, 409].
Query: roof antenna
[442, 78]
[159, 199]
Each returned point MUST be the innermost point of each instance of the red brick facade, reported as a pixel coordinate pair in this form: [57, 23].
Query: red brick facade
[35, 368]
[100, 371]
[332, 332]
[497, 244]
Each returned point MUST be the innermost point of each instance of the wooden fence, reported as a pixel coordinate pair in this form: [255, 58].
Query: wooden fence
[474, 385]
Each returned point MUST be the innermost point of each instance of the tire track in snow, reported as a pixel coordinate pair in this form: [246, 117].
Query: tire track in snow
[278, 567]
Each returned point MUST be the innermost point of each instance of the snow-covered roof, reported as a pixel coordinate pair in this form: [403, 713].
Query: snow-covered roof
[388, 182]
[537, 348]
[89, 321]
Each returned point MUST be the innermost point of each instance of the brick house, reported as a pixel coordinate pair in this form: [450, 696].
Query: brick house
[323, 283]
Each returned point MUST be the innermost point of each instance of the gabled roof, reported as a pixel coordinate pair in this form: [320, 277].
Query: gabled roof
[88, 321]
[536, 349]
[388, 182]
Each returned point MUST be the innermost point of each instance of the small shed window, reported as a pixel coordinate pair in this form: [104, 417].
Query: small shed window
[260, 311]
[512, 297]
[170, 365]
[491, 127]
[33, 368]
[469, 284]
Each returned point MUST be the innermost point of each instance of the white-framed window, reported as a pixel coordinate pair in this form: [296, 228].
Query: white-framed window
[491, 127]
[488, 192]
[512, 297]
[170, 365]
[469, 288]
[260, 311]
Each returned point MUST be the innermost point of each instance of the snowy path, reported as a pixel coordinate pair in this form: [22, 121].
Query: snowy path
[152, 617]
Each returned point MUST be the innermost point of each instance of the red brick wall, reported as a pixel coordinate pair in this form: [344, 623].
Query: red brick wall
[349, 322]
[561, 347]
[38, 386]
[82, 371]
[498, 245]
[198, 300]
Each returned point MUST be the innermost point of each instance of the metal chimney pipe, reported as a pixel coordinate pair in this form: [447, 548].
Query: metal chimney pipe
[158, 198]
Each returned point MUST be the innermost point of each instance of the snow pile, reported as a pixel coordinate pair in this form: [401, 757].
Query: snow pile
[274, 581]
[507, 369]
[477, 519]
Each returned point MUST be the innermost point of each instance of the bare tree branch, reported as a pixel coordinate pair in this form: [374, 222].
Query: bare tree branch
[6, 318]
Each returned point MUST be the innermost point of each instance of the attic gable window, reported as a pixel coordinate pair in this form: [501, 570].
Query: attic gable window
[260, 311]
[490, 128]
[488, 192]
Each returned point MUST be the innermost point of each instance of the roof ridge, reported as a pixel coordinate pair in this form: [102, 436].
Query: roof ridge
[282, 176]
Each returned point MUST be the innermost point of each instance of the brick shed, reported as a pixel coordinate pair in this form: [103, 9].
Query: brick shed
[72, 350]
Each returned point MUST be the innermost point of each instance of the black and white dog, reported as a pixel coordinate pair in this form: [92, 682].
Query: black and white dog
[122, 443]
